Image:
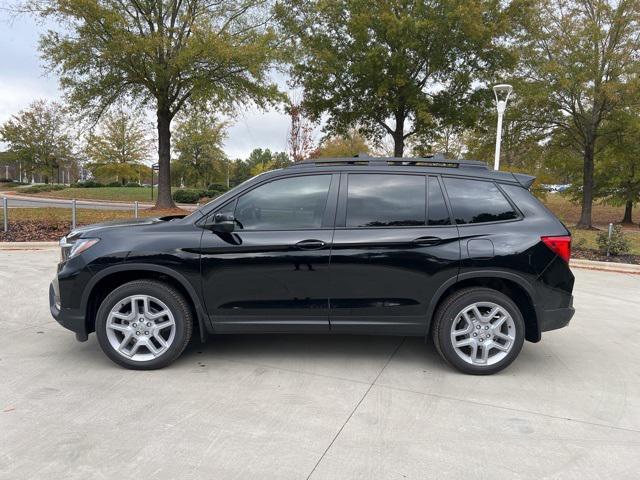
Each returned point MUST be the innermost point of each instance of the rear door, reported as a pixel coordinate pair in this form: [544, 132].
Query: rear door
[393, 247]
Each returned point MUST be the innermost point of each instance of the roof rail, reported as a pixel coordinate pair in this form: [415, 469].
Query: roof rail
[437, 160]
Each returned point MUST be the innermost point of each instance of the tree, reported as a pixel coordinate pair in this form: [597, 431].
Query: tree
[264, 160]
[119, 147]
[37, 136]
[580, 59]
[348, 145]
[300, 139]
[198, 143]
[388, 66]
[618, 172]
[166, 53]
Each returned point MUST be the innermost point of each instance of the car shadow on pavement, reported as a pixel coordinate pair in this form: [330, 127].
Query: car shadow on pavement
[352, 356]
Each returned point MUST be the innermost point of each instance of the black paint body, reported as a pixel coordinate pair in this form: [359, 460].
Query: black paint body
[375, 280]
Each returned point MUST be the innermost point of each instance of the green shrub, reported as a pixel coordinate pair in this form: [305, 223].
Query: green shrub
[212, 193]
[6, 180]
[42, 188]
[619, 242]
[187, 195]
[113, 184]
[217, 187]
[88, 184]
[132, 185]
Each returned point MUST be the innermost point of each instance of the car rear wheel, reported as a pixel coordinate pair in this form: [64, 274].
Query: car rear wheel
[144, 325]
[478, 330]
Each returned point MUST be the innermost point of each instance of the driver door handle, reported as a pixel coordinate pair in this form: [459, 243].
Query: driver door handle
[310, 244]
[427, 240]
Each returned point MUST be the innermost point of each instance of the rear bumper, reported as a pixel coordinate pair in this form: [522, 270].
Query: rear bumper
[71, 319]
[555, 318]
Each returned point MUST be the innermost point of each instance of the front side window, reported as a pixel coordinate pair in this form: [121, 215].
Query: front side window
[376, 200]
[287, 204]
[476, 201]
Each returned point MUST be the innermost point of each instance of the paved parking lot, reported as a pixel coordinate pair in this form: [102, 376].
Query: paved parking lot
[320, 407]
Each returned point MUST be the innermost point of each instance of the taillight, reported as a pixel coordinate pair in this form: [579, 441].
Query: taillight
[561, 246]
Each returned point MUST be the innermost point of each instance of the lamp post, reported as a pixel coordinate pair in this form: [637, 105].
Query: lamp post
[502, 93]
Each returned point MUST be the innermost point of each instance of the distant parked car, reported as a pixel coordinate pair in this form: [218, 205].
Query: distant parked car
[380, 246]
[556, 188]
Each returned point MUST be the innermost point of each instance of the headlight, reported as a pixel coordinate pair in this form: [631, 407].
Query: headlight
[70, 249]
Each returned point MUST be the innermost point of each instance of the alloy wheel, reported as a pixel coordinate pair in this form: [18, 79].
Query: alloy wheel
[483, 333]
[140, 327]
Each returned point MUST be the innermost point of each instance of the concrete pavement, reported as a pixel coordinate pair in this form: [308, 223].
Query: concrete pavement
[320, 407]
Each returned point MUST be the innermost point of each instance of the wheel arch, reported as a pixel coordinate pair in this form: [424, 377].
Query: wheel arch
[112, 277]
[510, 284]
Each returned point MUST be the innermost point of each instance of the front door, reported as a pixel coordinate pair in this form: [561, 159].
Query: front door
[393, 247]
[271, 274]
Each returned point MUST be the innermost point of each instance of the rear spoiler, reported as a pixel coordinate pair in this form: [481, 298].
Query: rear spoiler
[525, 180]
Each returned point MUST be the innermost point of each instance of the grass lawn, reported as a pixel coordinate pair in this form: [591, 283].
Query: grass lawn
[84, 216]
[8, 186]
[122, 194]
[569, 212]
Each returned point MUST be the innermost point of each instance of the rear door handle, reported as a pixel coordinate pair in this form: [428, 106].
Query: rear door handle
[310, 244]
[427, 241]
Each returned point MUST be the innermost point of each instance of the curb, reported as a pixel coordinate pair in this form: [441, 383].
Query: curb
[28, 245]
[605, 266]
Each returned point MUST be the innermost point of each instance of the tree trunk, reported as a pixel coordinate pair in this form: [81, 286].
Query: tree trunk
[398, 144]
[587, 188]
[398, 134]
[628, 210]
[164, 160]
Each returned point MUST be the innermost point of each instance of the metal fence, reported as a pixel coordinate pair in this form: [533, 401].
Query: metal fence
[73, 205]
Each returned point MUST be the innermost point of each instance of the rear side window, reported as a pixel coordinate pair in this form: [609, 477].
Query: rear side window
[476, 201]
[436, 208]
[375, 200]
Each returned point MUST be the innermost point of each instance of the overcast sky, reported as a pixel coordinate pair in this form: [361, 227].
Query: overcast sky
[23, 80]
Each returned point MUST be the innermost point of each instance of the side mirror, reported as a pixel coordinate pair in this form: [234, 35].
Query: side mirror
[221, 222]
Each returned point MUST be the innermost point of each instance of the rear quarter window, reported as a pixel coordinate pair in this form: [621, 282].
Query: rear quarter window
[477, 201]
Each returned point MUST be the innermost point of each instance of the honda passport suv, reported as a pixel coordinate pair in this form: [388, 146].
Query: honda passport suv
[369, 246]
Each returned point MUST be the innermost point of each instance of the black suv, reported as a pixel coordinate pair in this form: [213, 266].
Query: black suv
[381, 246]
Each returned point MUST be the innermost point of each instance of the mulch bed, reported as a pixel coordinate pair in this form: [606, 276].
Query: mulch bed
[586, 254]
[34, 231]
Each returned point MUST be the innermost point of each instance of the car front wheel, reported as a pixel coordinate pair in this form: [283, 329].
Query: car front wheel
[478, 330]
[144, 325]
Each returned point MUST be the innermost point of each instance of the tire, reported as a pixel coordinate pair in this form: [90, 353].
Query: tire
[119, 316]
[501, 334]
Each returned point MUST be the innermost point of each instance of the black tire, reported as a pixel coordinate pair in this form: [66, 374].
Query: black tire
[175, 302]
[452, 306]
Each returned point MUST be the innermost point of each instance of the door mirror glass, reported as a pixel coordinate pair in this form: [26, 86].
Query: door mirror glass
[221, 222]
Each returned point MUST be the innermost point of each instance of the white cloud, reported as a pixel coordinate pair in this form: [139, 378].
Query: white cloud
[23, 80]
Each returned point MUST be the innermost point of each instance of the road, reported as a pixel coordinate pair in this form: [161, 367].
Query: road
[23, 201]
[319, 407]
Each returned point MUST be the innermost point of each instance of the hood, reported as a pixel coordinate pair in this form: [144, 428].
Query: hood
[89, 230]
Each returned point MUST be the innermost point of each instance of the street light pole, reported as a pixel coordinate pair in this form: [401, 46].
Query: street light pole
[502, 93]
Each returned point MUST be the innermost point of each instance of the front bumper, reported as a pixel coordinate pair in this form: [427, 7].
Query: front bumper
[69, 318]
